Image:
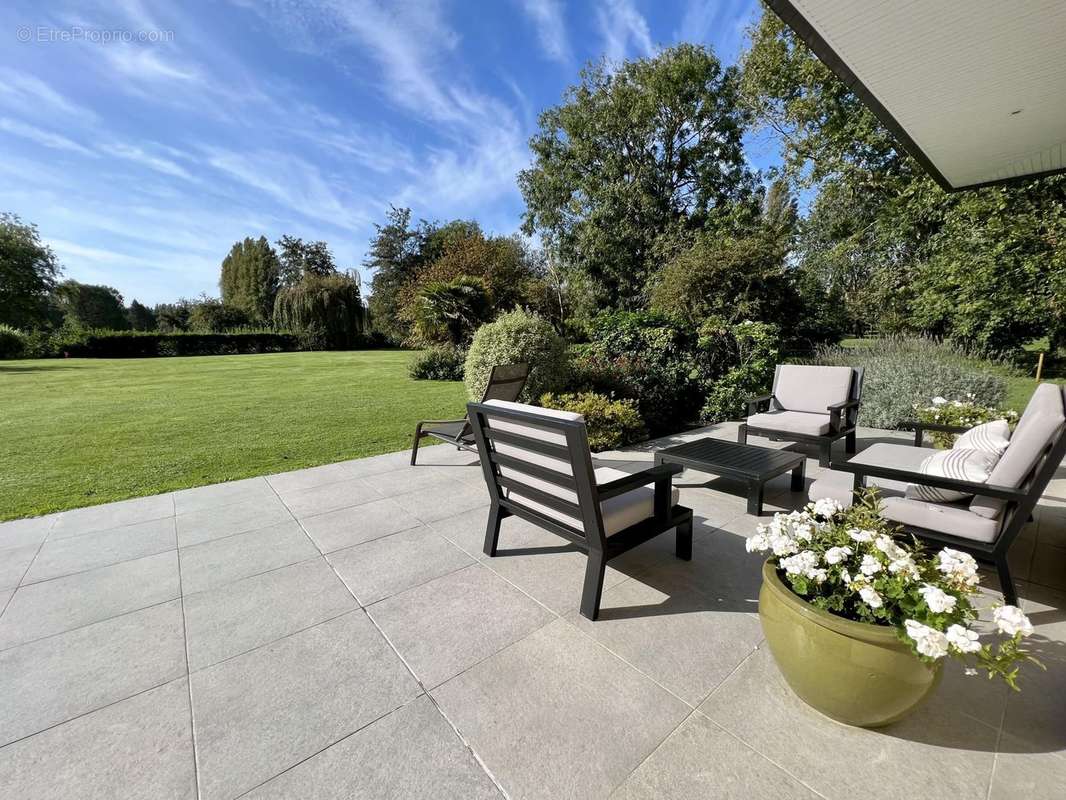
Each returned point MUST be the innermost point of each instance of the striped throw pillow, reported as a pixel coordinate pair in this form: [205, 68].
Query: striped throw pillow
[968, 465]
[991, 437]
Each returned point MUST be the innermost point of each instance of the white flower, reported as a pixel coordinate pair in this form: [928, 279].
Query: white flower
[803, 532]
[845, 576]
[870, 566]
[1011, 621]
[861, 536]
[963, 639]
[904, 566]
[885, 544]
[870, 597]
[800, 564]
[939, 401]
[834, 555]
[825, 507]
[930, 642]
[937, 599]
[958, 566]
[818, 575]
[757, 543]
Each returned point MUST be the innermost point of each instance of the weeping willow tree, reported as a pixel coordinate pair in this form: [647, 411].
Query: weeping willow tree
[327, 310]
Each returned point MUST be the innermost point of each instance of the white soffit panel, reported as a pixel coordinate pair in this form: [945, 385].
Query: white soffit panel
[976, 89]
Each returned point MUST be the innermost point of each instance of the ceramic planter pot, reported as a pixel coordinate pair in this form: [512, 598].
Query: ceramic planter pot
[856, 673]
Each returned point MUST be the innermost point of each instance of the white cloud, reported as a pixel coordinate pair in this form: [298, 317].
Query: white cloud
[42, 137]
[624, 30]
[146, 64]
[547, 15]
[139, 156]
[28, 94]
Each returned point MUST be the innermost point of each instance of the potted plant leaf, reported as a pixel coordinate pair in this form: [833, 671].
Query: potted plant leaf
[860, 621]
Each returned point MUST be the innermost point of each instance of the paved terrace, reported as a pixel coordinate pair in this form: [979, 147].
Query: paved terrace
[337, 632]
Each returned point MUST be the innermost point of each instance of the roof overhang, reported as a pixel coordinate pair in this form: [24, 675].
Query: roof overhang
[975, 91]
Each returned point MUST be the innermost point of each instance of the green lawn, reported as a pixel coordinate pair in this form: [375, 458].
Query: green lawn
[78, 432]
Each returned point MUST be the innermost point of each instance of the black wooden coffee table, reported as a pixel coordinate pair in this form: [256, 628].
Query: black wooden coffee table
[755, 465]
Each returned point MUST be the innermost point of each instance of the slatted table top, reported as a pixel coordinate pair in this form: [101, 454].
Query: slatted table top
[729, 458]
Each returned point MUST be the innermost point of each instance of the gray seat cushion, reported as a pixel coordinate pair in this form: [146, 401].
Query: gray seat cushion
[792, 422]
[811, 388]
[1040, 424]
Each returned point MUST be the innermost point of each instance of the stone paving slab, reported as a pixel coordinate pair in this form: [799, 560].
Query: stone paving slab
[229, 616]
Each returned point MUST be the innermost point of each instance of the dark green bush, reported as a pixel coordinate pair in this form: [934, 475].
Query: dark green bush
[438, 364]
[12, 342]
[517, 337]
[737, 362]
[147, 344]
[645, 357]
[610, 423]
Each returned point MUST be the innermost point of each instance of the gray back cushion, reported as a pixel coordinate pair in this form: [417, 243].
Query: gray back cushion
[810, 388]
[1040, 424]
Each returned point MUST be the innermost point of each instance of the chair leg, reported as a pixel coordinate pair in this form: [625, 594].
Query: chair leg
[1006, 582]
[825, 453]
[849, 443]
[590, 595]
[683, 544]
[742, 434]
[492, 530]
[414, 445]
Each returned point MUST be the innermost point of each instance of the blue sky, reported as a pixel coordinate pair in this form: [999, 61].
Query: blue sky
[142, 161]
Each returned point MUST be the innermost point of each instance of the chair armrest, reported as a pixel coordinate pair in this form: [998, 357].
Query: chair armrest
[657, 474]
[439, 421]
[983, 489]
[836, 409]
[661, 475]
[920, 427]
[756, 405]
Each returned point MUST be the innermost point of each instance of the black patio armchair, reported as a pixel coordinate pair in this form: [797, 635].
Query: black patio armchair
[538, 466]
[989, 523]
[506, 382]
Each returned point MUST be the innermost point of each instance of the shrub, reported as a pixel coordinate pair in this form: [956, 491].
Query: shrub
[901, 373]
[645, 357]
[451, 311]
[12, 342]
[211, 315]
[610, 423]
[146, 344]
[438, 364]
[736, 362]
[517, 337]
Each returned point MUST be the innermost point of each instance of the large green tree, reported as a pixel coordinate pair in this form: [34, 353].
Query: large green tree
[648, 152]
[250, 277]
[141, 318]
[395, 257]
[28, 271]
[298, 259]
[327, 310]
[979, 266]
[91, 306]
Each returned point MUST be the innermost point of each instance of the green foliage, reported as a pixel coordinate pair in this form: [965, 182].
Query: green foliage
[12, 342]
[517, 337]
[394, 258]
[651, 150]
[250, 277]
[173, 317]
[450, 311]
[298, 259]
[210, 315]
[610, 423]
[141, 318]
[963, 413]
[901, 373]
[734, 279]
[89, 306]
[438, 364]
[327, 310]
[737, 362]
[28, 271]
[646, 357]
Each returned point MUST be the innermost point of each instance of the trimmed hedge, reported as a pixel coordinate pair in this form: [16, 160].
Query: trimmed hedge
[148, 344]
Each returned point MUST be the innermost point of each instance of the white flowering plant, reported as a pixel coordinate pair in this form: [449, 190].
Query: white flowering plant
[964, 413]
[853, 563]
